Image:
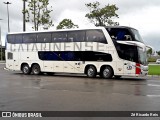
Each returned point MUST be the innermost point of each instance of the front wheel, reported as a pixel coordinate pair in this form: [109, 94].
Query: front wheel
[36, 69]
[91, 71]
[107, 72]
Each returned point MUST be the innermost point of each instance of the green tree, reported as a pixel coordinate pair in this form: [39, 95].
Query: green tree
[158, 52]
[149, 52]
[66, 24]
[102, 16]
[39, 14]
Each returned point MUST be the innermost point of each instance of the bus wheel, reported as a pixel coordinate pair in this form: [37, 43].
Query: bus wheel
[25, 69]
[107, 72]
[91, 71]
[36, 69]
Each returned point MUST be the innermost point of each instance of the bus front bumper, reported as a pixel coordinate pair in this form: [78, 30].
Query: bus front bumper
[144, 70]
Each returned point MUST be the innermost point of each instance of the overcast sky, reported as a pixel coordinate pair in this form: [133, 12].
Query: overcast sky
[140, 14]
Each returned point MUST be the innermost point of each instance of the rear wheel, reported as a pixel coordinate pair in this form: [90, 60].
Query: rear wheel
[26, 69]
[36, 69]
[107, 72]
[91, 71]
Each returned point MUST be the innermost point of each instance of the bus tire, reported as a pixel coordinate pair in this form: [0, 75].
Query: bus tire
[36, 69]
[107, 72]
[26, 69]
[91, 71]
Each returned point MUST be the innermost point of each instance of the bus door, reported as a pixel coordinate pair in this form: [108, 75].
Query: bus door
[16, 61]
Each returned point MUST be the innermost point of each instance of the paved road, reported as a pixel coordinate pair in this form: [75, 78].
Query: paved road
[77, 93]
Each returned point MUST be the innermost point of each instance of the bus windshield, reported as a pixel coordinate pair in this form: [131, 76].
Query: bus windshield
[131, 53]
[142, 56]
[136, 35]
[124, 34]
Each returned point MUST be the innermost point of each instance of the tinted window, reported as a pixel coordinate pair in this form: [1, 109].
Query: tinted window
[96, 56]
[127, 52]
[48, 56]
[67, 56]
[76, 36]
[74, 56]
[29, 38]
[119, 33]
[95, 36]
[18, 39]
[10, 56]
[59, 37]
[10, 38]
[43, 37]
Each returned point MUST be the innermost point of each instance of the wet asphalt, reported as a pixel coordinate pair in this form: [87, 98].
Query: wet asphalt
[71, 92]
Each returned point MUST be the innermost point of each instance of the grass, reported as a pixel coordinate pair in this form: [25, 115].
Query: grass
[154, 70]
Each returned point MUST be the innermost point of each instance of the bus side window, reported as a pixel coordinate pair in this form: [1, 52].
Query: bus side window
[29, 38]
[11, 39]
[43, 37]
[18, 39]
[10, 56]
[95, 36]
[59, 37]
[76, 36]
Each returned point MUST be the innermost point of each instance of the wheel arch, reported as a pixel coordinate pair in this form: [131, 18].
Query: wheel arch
[103, 66]
[24, 64]
[87, 66]
[34, 64]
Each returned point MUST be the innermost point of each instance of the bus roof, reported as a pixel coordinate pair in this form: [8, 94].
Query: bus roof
[72, 29]
[57, 30]
[120, 27]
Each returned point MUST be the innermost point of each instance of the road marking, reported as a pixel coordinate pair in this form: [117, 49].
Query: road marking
[155, 85]
[153, 95]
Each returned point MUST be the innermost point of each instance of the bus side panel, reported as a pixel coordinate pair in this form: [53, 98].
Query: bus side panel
[30, 58]
[129, 68]
[9, 60]
[16, 56]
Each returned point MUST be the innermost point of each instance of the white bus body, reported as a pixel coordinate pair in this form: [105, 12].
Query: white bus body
[89, 51]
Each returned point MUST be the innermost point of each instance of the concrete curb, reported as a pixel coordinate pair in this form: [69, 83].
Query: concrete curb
[153, 75]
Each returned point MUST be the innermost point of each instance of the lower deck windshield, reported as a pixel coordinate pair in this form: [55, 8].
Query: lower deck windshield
[127, 52]
[131, 53]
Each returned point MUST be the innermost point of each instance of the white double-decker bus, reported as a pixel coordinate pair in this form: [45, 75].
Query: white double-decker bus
[105, 51]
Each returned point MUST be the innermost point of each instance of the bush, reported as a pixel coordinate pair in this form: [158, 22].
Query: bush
[151, 59]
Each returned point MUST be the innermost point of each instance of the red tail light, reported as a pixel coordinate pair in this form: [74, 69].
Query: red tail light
[138, 69]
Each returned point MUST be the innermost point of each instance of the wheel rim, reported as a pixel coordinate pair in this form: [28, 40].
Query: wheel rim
[106, 72]
[36, 70]
[90, 72]
[25, 69]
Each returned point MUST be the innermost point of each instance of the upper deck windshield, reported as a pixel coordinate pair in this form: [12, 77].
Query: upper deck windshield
[136, 35]
[124, 34]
